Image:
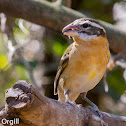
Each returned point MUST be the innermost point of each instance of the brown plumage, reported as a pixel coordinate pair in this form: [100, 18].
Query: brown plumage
[80, 58]
[84, 62]
[63, 63]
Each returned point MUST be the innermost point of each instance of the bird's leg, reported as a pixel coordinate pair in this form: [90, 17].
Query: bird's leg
[66, 93]
[93, 107]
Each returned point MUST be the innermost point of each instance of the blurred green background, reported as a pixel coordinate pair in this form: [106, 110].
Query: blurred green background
[39, 49]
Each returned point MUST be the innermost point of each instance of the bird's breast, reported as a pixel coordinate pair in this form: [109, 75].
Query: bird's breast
[86, 67]
[85, 59]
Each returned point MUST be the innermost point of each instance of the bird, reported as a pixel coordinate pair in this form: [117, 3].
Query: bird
[84, 62]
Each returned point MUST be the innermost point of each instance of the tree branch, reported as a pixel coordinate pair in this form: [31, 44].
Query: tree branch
[24, 102]
[56, 17]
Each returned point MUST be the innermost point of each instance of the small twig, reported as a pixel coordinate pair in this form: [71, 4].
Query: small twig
[21, 26]
[27, 65]
[105, 82]
[59, 3]
[5, 67]
[114, 61]
[7, 30]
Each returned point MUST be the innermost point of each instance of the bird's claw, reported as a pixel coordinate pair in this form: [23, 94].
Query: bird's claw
[74, 103]
[95, 108]
[71, 102]
[79, 105]
[103, 123]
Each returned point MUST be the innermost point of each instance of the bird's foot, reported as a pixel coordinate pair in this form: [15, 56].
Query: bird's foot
[95, 108]
[73, 103]
[79, 105]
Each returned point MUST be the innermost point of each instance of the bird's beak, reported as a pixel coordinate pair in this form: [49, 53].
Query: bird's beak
[70, 30]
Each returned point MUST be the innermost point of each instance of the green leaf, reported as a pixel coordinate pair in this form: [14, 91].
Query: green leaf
[3, 61]
[116, 82]
[59, 48]
[22, 72]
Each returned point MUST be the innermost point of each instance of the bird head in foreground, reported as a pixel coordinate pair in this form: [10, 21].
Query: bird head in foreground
[84, 29]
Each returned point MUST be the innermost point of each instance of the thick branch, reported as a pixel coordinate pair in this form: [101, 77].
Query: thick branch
[24, 102]
[56, 17]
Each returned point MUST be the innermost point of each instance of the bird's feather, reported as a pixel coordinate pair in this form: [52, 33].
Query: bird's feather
[63, 63]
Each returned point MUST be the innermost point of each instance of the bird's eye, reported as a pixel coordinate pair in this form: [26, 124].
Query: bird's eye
[85, 25]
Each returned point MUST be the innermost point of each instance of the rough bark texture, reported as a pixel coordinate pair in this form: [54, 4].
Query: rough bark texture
[56, 17]
[23, 101]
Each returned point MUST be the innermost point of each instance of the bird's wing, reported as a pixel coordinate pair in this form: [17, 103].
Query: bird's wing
[63, 63]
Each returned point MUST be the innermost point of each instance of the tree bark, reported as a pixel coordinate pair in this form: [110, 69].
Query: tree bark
[53, 16]
[24, 102]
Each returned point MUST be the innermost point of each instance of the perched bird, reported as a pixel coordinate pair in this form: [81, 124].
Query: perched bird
[84, 62]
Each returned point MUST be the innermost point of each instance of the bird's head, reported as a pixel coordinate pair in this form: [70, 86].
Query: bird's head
[84, 29]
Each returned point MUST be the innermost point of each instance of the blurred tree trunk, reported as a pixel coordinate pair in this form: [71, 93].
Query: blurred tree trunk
[39, 13]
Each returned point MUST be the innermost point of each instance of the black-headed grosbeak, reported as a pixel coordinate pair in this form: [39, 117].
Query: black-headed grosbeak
[84, 62]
